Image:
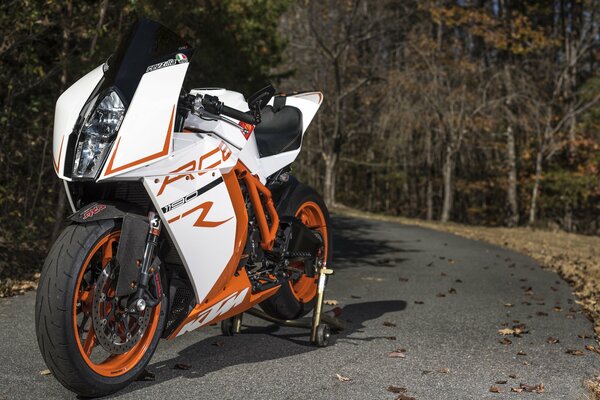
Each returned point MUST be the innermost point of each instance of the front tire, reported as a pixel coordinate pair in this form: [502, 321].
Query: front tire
[297, 298]
[63, 314]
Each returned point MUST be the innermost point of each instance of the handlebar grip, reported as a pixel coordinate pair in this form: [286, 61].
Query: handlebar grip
[237, 114]
[213, 105]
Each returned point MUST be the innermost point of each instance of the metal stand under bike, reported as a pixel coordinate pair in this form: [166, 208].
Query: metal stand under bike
[319, 332]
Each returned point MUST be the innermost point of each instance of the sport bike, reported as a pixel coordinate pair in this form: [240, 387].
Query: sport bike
[184, 213]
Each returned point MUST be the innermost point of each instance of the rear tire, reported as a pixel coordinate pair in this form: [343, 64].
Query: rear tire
[59, 305]
[296, 299]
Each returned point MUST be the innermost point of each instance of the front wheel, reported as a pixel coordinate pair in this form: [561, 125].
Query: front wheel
[297, 298]
[92, 344]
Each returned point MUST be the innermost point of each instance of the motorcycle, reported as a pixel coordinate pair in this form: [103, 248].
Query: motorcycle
[185, 214]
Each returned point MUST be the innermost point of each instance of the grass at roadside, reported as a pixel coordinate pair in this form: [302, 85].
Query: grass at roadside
[576, 258]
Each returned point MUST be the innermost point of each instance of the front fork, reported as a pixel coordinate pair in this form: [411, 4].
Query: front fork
[143, 297]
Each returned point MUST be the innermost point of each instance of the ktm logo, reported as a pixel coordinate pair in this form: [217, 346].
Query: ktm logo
[201, 222]
[222, 307]
[195, 166]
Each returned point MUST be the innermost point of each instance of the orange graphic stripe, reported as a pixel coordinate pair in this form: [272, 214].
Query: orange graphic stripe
[57, 165]
[110, 169]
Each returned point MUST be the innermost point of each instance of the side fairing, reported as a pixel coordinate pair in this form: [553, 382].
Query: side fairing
[193, 201]
[67, 110]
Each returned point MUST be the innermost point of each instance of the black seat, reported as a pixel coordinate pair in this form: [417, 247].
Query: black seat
[280, 129]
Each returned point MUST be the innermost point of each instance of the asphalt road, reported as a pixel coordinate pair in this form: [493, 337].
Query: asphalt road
[383, 273]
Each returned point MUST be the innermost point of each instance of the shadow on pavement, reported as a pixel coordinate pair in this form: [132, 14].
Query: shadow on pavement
[256, 344]
[354, 245]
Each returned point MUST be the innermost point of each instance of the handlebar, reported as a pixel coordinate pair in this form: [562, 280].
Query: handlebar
[213, 105]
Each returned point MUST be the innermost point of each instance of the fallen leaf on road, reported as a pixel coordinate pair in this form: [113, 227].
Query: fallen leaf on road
[419, 302]
[512, 376]
[539, 388]
[399, 353]
[183, 366]
[574, 352]
[501, 382]
[584, 336]
[331, 302]
[552, 340]
[557, 309]
[592, 348]
[396, 389]
[430, 264]
[452, 290]
[426, 371]
[403, 279]
[443, 370]
[440, 295]
[505, 341]
[508, 305]
[146, 376]
[541, 314]
[342, 378]
[45, 372]
[458, 281]
[389, 323]
[518, 390]
[495, 389]
[521, 353]
[506, 331]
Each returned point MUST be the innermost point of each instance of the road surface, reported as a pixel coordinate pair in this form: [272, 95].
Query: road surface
[440, 298]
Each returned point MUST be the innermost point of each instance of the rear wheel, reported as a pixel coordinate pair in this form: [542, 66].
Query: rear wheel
[92, 344]
[297, 298]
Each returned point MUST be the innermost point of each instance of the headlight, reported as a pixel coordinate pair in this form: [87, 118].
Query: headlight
[98, 131]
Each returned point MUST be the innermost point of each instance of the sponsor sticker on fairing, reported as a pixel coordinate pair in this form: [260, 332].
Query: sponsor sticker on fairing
[180, 58]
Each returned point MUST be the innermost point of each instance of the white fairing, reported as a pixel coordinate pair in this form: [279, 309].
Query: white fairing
[68, 106]
[145, 135]
[182, 172]
[197, 210]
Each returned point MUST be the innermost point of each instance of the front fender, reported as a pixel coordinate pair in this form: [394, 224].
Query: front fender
[134, 229]
[101, 210]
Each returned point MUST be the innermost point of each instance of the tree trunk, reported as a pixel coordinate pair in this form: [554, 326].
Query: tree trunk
[448, 172]
[329, 182]
[429, 155]
[513, 218]
[101, 17]
[536, 187]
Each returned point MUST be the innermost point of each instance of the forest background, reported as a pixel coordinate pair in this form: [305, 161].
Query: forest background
[482, 112]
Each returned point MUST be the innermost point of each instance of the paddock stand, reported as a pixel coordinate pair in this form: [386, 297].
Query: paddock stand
[319, 332]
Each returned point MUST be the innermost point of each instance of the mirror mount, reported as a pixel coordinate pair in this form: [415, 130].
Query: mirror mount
[259, 100]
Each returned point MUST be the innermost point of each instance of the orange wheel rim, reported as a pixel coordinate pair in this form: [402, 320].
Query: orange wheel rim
[311, 215]
[115, 364]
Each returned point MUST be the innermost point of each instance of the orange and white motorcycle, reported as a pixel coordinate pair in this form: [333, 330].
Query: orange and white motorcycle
[184, 213]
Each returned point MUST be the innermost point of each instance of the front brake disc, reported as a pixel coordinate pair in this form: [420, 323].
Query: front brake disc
[117, 329]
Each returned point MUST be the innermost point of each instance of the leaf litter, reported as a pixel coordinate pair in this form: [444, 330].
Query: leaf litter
[342, 378]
